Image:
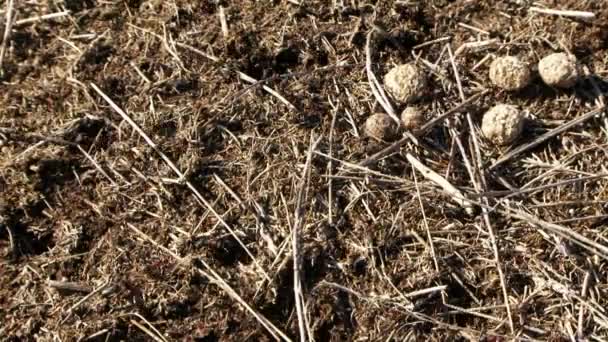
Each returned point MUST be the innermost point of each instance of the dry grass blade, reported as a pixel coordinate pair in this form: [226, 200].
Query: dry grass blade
[564, 13]
[457, 195]
[426, 226]
[588, 244]
[155, 337]
[546, 136]
[7, 32]
[581, 309]
[84, 299]
[68, 286]
[299, 218]
[41, 18]
[373, 81]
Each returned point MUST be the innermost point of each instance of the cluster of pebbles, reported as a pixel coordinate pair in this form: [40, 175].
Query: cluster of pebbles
[501, 124]
[406, 83]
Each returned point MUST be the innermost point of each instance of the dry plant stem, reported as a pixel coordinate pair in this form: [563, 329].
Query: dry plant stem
[431, 42]
[330, 168]
[456, 75]
[488, 223]
[179, 174]
[564, 13]
[97, 166]
[269, 90]
[426, 225]
[7, 32]
[479, 187]
[581, 309]
[213, 276]
[510, 193]
[433, 176]
[150, 325]
[84, 299]
[223, 22]
[475, 45]
[147, 331]
[564, 232]
[10, 237]
[373, 81]
[68, 286]
[546, 136]
[299, 218]
[41, 18]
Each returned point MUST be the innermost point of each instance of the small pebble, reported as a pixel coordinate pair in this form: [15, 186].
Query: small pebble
[502, 124]
[559, 70]
[412, 118]
[406, 83]
[509, 73]
[380, 126]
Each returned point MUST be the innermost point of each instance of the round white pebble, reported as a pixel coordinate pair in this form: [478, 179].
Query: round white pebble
[502, 124]
[559, 70]
[406, 83]
[380, 126]
[412, 118]
[509, 73]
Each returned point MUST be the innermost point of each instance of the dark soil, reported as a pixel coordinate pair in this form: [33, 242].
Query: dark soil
[85, 199]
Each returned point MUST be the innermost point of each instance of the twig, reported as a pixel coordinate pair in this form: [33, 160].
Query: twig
[433, 176]
[475, 45]
[431, 42]
[482, 184]
[546, 136]
[7, 32]
[581, 309]
[373, 81]
[84, 299]
[330, 168]
[154, 336]
[68, 286]
[511, 193]
[473, 28]
[456, 75]
[426, 226]
[41, 18]
[269, 90]
[588, 244]
[565, 13]
[97, 166]
[10, 238]
[223, 22]
[299, 218]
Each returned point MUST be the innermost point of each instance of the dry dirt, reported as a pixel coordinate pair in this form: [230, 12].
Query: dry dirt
[101, 240]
